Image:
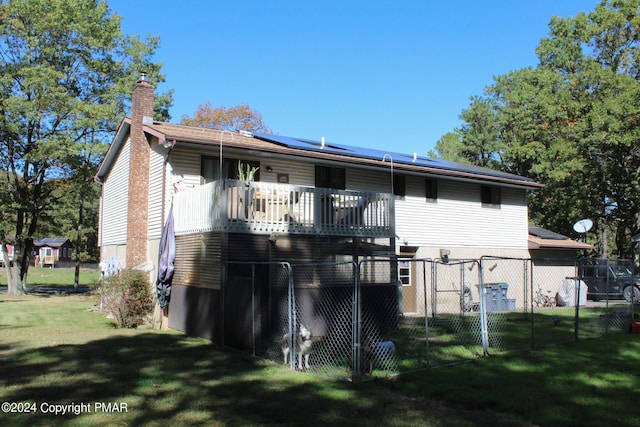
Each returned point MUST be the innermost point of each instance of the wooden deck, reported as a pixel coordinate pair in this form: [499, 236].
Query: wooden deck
[266, 208]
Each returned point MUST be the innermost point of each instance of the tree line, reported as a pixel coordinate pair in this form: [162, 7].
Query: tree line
[572, 123]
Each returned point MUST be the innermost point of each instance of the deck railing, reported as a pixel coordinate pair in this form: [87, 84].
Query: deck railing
[266, 208]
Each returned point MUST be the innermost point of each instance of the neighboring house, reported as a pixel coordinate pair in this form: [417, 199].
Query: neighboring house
[309, 201]
[52, 251]
[9, 254]
[49, 251]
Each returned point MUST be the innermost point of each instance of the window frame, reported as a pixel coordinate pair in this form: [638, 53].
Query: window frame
[404, 265]
[229, 168]
[491, 196]
[399, 185]
[330, 177]
[431, 189]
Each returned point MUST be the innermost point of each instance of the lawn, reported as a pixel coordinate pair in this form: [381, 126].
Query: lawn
[57, 350]
[55, 277]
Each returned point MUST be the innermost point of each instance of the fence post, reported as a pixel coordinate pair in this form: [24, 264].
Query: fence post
[525, 280]
[426, 311]
[483, 311]
[533, 320]
[357, 325]
[577, 314]
[253, 308]
[292, 318]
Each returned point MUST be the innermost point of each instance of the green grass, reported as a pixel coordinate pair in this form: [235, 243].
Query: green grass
[58, 350]
[55, 277]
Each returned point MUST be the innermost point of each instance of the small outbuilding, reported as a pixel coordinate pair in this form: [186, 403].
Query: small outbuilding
[554, 257]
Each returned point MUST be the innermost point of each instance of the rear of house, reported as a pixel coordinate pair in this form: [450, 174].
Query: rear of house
[308, 202]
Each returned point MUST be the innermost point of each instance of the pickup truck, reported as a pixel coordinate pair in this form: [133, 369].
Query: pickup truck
[609, 279]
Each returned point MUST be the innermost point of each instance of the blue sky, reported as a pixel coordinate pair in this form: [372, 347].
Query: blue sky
[392, 74]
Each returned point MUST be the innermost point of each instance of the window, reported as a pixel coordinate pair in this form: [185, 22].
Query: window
[431, 189]
[490, 196]
[210, 169]
[404, 272]
[328, 177]
[399, 185]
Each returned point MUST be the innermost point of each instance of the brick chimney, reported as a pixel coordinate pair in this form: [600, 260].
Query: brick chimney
[138, 191]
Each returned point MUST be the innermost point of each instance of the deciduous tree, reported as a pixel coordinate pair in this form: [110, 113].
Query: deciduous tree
[240, 117]
[66, 74]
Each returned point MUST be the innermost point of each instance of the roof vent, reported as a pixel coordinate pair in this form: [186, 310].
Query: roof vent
[245, 133]
[322, 142]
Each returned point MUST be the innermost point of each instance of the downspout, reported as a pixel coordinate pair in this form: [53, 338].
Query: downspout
[168, 145]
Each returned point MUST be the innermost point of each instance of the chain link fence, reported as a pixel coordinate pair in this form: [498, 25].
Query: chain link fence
[380, 318]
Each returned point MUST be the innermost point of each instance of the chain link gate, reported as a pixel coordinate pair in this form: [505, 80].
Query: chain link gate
[380, 318]
[456, 323]
[318, 299]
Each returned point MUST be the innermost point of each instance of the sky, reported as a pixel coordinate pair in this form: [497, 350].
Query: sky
[391, 75]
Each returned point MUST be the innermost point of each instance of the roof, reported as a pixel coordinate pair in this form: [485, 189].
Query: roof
[51, 242]
[539, 238]
[311, 149]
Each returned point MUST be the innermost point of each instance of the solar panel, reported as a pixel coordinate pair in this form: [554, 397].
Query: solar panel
[375, 154]
[545, 234]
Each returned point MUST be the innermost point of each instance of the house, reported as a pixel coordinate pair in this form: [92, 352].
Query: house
[308, 201]
[9, 254]
[52, 251]
[49, 251]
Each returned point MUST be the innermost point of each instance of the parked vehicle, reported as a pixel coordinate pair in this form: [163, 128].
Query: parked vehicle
[609, 279]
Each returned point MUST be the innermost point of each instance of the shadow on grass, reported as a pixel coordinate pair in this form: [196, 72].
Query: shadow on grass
[166, 377]
[588, 383]
[172, 379]
[158, 375]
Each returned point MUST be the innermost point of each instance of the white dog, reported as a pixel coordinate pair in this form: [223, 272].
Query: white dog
[303, 346]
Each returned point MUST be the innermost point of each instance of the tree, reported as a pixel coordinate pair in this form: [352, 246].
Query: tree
[570, 123]
[66, 74]
[240, 117]
[477, 140]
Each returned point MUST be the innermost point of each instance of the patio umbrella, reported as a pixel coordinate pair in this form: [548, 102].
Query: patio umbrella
[165, 263]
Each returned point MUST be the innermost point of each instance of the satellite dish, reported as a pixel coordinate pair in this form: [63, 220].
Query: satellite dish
[583, 225]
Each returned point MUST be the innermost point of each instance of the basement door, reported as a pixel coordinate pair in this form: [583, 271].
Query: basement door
[406, 275]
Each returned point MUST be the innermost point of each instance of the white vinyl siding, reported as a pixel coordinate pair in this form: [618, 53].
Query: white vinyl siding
[186, 163]
[360, 180]
[156, 163]
[113, 227]
[455, 219]
[300, 173]
[458, 218]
